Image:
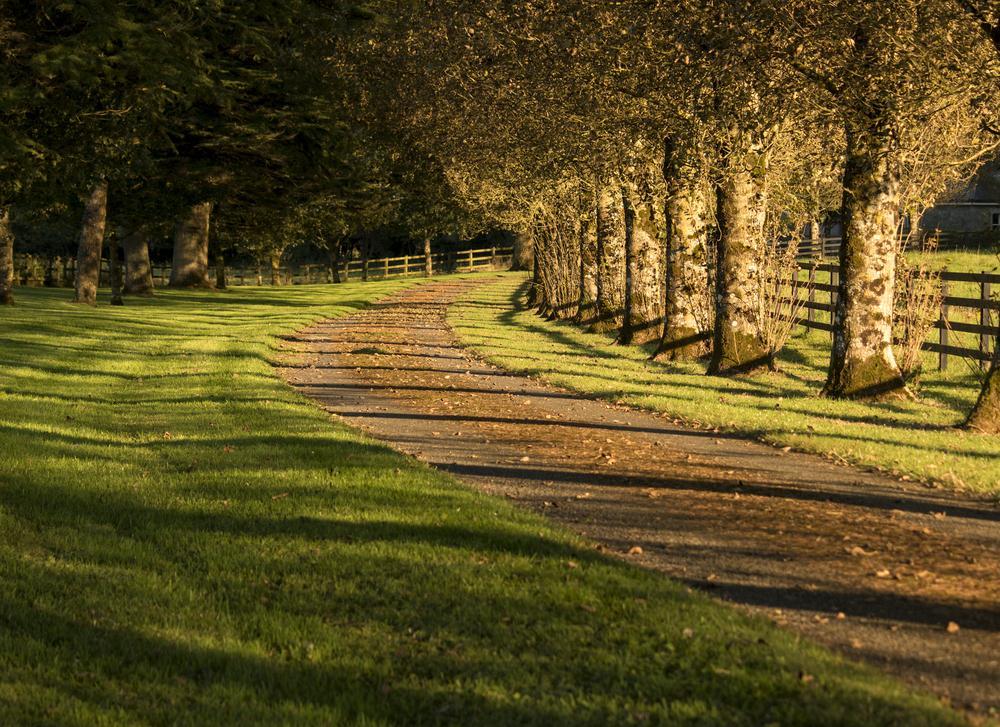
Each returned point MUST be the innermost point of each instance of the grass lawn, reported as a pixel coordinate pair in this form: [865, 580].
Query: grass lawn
[186, 540]
[913, 439]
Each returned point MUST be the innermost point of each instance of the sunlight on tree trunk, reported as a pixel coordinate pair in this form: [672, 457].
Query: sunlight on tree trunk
[643, 308]
[985, 415]
[587, 304]
[6, 259]
[428, 261]
[610, 217]
[742, 198]
[88, 257]
[190, 269]
[138, 270]
[862, 363]
[687, 297]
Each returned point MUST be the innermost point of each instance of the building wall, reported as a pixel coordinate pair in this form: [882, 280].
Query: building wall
[960, 218]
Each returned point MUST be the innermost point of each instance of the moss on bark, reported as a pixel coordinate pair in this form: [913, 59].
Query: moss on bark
[985, 415]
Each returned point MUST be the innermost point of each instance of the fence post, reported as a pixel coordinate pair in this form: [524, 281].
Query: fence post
[943, 330]
[810, 313]
[834, 285]
[406, 266]
[984, 321]
[386, 269]
[471, 264]
[428, 266]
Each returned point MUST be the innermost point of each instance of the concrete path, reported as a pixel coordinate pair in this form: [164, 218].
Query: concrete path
[903, 577]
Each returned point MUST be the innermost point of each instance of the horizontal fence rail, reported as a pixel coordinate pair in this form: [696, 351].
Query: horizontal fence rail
[974, 315]
[35, 271]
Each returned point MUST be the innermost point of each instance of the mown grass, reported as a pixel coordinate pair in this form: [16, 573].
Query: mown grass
[186, 540]
[912, 439]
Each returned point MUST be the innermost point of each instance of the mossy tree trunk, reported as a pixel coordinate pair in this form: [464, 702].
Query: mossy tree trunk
[686, 213]
[138, 270]
[6, 259]
[985, 415]
[190, 268]
[741, 210]
[88, 256]
[643, 265]
[862, 363]
[610, 219]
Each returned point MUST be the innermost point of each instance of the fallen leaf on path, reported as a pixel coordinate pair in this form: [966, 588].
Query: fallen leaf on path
[859, 551]
[952, 627]
[635, 550]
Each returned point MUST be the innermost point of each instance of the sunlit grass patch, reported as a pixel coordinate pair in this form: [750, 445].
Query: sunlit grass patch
[914, 439]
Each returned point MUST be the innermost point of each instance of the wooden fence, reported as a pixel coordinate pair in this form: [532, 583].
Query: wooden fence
[37, 271]
[967, 326]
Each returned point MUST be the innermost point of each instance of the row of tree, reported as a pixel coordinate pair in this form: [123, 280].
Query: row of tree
[167, 117]
[648, 154]
[653, 153]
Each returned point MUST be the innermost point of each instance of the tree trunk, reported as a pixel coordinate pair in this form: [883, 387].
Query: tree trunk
[365, 246]
[643, 263]
[985, 415]
[741, 203]
[586, 312]
[138, 270]
[428, 262]
[557, 244]
[220, 272]
[88, 256]
[115, 270]
[523, 255]
[6, 259]
[190, 269]
[610, 217]
[816, 237]
[686, 317]
[335, 260]
[862, 363]
[535, 293]
[275, 268]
